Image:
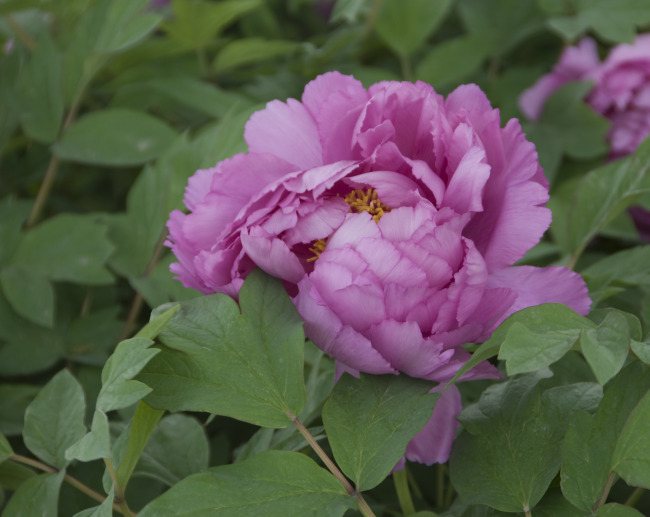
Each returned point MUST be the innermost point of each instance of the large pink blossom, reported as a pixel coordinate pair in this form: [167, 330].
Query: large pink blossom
[621, 90]
[393, 216]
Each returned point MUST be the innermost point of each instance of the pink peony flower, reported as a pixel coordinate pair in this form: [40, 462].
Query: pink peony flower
[393, 216]
[621, 89]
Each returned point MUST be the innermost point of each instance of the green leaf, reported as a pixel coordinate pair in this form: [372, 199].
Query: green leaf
[36, 496]
[273, 484]
[125, 25]
[13, 474]
[525, 351]
[14, 399]
[506, 22]
[142, 425]
[157, 323]
[30, 295]
[118, 390]
[614, 20]
[5, 449]
[606, 347]
[369, 422]
[248, 51]
[178, 448]
[590, 442]
[511, 450]
[94, 445]
[40, 93]
[245, 365]
[405, 25]
[103, 510]
[540, 319]
[604, 193]
[454, 59]
[641, 350]
[617, 510]
[55, 419]
[632, 454]
[72, 248]
[13, 215]
[115, 137]
[197, 22]
[568, 126]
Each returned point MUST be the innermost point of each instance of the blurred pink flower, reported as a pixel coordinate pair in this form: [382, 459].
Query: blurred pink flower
[621, 89]
[393, 217]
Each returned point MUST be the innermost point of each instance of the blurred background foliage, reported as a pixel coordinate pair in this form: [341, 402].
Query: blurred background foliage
[108, 106]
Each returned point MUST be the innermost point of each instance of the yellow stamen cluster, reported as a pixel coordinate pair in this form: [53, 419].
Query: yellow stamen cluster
[367, 201]
[317, 249]
[359, 201]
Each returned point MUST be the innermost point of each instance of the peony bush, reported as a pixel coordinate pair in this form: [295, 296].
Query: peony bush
[410, 284]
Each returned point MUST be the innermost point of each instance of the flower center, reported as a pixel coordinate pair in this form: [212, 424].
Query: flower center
[367, 201]
[359, 201]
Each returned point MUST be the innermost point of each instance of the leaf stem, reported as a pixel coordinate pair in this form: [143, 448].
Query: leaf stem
[43, 192]
[634, 497]
[119, 499]
[67, 477]
[138, 300]
[363, 505]
[608, 486]
[527, 512]
[21, 33]
[400, 479]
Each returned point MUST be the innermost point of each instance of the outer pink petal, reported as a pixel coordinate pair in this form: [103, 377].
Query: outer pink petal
[535, 286]
[465, 189]
[287, 131]
[433, 443]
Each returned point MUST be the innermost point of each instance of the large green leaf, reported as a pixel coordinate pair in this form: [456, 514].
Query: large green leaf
[606, 348]
[511, 450]
[67, 247]
[95, 444]
[30, 294]
[370, 420]
[247, 365]
[116, 137]
[40, 93]
[125, 24]
[36, 496]
[588, 449]
[55, 419]
[248, 51]
[273, 484]
[602, 194]
[405, 25]
[632, 454]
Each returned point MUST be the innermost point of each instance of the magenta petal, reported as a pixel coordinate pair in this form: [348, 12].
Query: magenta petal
[433, 443]
[535, 286]
[272, 255]
[286, 130]
[465, 189]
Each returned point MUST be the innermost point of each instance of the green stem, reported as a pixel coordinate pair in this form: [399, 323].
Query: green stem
[138, 300]
[634, 496]
[440, 485]
[363, 505]
[21, 33]
[43, 192]
[527, 512]
[67, 477]
[372, 18]
[118, 490]
[608, 486]
[407, 70]
[400, 478]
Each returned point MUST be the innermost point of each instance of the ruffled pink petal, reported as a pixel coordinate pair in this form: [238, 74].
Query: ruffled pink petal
[465, 190]
[327, 332]
[394, 190]
[433, 443]
[317, 180]
[354, 228]
[286, 130]
[198, 186]
[514, 216]
[535, 286]
[403, 345]
[272, 255]
[317, 220]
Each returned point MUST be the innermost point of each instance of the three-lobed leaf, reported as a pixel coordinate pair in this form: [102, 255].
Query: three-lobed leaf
[247, 365]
